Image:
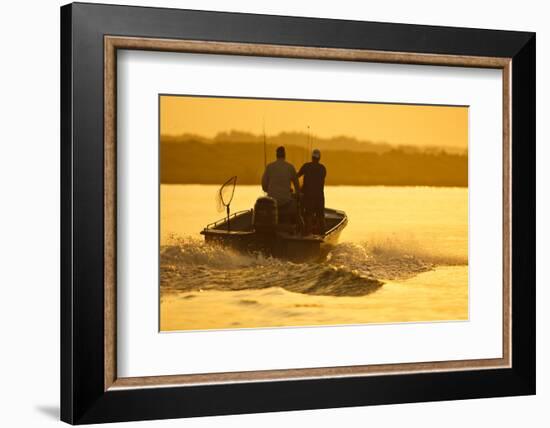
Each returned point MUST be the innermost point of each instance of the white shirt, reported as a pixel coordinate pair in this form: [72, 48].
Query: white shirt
[277, 178]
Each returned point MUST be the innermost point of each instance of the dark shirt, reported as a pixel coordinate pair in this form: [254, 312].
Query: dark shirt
[314, 179]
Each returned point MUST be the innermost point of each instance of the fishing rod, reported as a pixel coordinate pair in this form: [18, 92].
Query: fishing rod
[265, 152]
[308, 143]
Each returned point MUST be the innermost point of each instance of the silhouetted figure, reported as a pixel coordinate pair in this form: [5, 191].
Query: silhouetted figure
[314, 195]
[276, 182]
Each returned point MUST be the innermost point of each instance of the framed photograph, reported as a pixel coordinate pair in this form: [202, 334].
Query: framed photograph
[266, 213]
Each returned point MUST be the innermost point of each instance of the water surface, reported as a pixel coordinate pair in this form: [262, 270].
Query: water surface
[403, 257]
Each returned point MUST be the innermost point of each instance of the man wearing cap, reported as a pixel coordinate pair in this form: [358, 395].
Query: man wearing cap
[313, 190]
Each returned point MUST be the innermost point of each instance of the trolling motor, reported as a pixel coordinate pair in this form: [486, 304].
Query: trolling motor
[266, 215]
[225, 196]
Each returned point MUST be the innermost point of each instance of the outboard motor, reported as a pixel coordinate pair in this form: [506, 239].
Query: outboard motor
[266, 215]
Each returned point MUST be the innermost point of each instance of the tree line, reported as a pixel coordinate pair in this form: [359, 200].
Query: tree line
[198, 162]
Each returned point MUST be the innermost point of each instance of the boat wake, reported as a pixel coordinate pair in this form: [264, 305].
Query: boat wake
[189, 264]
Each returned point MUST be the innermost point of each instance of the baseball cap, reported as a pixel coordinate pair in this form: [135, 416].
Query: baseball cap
[316, 153]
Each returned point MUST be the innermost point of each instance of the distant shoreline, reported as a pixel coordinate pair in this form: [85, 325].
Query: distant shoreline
[198, 162]
[328, 185]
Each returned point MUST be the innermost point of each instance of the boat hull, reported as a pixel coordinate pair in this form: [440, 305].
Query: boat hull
[240, 235]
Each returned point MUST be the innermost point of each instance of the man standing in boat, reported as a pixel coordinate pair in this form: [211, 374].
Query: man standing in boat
[314, 193]
[276, 182]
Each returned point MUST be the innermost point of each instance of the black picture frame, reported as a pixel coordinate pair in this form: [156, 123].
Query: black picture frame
[83, 397]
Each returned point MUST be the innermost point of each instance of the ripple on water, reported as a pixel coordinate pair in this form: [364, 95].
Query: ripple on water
[350, 269]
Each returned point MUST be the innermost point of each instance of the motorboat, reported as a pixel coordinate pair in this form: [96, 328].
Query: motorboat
[263, 229]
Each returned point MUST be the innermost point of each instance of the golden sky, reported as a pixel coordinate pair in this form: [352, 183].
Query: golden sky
[417, 125]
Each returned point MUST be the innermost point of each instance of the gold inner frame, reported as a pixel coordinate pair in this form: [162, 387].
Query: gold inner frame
[113, 43]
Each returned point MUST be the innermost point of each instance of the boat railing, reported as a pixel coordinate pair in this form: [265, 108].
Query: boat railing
[215, 224]
[338, 225]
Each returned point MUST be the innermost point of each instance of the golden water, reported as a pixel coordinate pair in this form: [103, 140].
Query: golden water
[413, 239]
